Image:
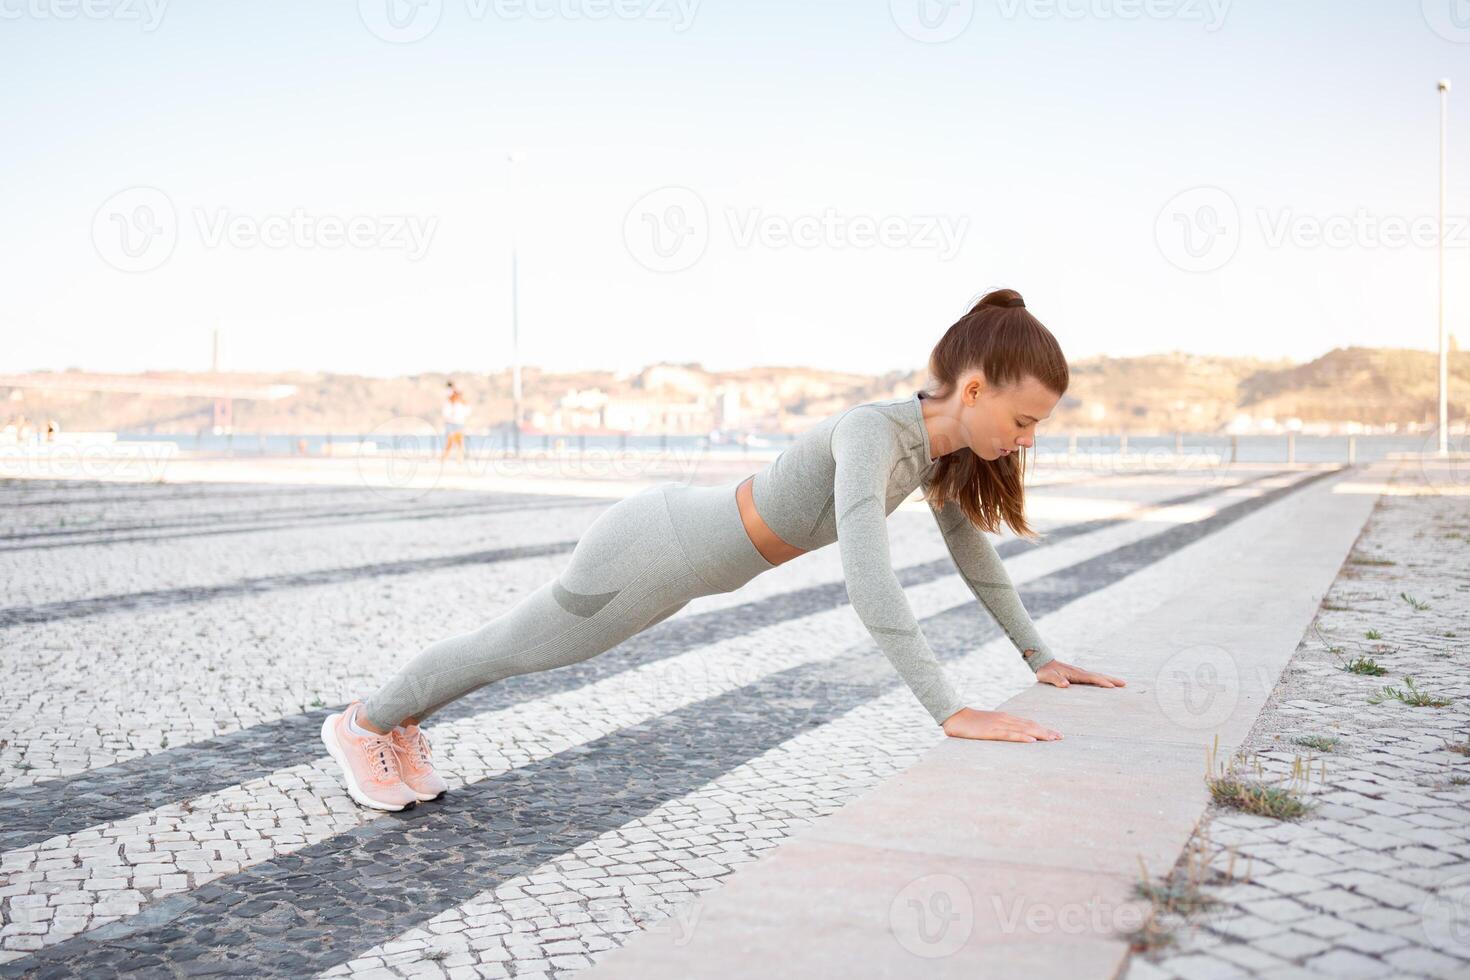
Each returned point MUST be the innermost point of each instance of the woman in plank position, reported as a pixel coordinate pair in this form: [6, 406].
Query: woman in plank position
[994, 375]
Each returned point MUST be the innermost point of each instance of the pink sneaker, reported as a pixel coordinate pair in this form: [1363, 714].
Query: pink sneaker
[415, 763]
[369, 764]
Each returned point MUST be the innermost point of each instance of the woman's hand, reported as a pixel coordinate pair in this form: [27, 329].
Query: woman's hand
[1065, 675]
[997, 725]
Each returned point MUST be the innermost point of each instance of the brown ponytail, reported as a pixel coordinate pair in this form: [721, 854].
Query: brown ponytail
[1001, 338]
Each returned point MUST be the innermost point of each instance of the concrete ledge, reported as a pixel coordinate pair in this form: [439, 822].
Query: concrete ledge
[995, 859]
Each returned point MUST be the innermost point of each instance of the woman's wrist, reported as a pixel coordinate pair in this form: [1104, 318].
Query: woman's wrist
[1036, 659]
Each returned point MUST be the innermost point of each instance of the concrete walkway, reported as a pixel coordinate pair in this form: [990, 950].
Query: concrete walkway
[993, 859]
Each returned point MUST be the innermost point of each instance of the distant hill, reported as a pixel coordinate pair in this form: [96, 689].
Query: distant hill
[1156, 393]
[1373, 385]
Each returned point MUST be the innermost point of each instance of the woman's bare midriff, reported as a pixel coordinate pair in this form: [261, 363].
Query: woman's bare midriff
[771, 547]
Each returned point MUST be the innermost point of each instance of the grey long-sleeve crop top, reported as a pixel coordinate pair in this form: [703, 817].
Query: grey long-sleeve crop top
[839, 481]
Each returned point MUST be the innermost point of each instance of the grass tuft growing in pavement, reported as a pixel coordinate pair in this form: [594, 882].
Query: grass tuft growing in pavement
[1459, 748]
[1153, 934]
[1373, 561]
[1280, 802]
[1373, 635]
[1418, 604]
[1364, 665]
[1410, 695]
[1322, 743]
[1256, 796]
[1180, 894]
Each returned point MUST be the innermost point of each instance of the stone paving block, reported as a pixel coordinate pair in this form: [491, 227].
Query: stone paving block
[1370, 942]
[1282, 910]
[1249, 957]
[1420, 961]
[1199, 966]
[1139, 969]
[1345, 963]
[1323, 926]
[1292, 945]
[1288, 883]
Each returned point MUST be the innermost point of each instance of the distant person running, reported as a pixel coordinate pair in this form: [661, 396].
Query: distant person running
[994, 375]
[456, 410]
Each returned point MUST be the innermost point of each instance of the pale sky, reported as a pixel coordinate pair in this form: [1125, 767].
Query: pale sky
[734, 182]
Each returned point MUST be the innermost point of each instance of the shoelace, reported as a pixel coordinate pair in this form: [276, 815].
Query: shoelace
[380, 750]
[419, 746]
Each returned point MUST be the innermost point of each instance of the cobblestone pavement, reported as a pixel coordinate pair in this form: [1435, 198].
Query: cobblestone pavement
[168, 808]
[1374, 881]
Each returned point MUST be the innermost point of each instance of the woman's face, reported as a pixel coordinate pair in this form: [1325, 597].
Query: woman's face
[1000, 421]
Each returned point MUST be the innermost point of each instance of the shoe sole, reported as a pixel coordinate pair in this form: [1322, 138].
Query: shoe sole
[329, 738]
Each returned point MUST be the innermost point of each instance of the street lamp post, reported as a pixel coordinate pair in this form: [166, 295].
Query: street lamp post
[514, 157]
[1444, 373]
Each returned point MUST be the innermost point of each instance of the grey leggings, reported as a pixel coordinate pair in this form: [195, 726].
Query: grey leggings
[639, 562]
